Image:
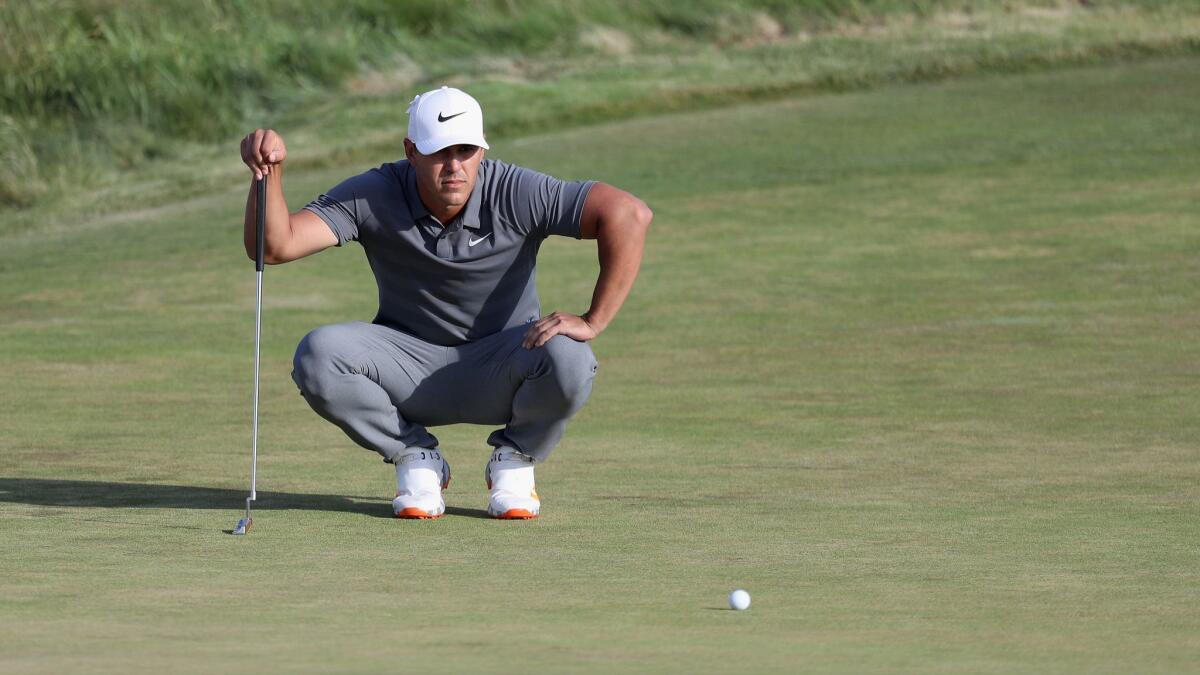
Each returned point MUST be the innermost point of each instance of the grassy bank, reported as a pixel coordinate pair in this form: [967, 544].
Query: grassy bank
[100, 100]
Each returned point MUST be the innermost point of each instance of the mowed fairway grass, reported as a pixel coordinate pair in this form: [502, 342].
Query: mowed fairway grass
[917, 367]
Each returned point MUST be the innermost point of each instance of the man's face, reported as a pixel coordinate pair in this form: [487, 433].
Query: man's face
[447, 176]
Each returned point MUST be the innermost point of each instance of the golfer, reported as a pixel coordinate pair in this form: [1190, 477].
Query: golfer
[459, 337]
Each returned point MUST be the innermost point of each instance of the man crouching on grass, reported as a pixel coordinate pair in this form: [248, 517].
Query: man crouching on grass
[459, 336]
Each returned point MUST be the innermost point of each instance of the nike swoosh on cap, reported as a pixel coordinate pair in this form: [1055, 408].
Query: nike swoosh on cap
[476, 241]
[445, 119]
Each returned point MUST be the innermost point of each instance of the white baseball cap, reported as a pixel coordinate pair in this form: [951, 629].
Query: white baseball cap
[445, 117]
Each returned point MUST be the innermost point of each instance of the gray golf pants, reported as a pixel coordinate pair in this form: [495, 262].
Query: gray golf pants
[383, 387]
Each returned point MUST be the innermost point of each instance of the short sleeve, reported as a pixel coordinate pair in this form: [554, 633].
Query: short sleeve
[552, 206]
[347, 206]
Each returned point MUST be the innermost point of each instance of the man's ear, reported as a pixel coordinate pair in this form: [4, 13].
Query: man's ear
[409, 149]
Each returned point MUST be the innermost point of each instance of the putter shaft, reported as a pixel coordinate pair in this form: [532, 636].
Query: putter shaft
[260, 225]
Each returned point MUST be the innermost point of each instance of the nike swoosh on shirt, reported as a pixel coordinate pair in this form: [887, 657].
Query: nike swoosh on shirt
[476, 241]
[445, 119]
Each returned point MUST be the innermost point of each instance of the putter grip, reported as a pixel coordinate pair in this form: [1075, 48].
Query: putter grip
[260, 221]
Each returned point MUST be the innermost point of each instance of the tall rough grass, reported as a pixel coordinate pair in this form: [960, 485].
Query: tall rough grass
[101, 85]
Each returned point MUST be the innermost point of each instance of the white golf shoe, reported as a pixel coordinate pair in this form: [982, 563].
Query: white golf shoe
[421, 475]
[509, 476]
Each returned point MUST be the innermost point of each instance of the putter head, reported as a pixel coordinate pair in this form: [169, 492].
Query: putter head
[243, 526]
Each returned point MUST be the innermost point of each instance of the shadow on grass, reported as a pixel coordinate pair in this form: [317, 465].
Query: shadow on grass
[467, 513]
[83, 493]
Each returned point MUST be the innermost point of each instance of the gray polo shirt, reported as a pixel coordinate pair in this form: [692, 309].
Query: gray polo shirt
[473, 277]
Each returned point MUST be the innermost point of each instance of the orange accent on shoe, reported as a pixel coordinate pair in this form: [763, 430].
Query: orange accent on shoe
[517, 514]
[413, 513]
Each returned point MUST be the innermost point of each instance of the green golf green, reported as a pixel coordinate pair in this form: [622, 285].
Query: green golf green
[916, 367]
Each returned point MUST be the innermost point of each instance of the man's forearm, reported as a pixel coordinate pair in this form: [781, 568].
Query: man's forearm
[277, 227]
[620, 240]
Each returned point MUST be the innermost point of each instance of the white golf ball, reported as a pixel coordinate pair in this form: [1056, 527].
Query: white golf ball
[739, 600]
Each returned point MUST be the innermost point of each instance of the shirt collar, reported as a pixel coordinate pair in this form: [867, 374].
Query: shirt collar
[470, 213]
[415, 206]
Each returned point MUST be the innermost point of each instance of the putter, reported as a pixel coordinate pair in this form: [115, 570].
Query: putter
[260, 217]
